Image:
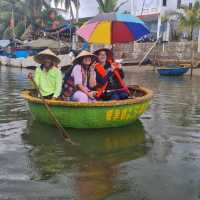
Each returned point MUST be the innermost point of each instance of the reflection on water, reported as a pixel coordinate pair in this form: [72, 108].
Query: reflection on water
[94, 163]
[110, 164]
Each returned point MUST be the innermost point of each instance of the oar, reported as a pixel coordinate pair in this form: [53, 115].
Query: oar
[65, 135]
[121, 81]
[117, 75]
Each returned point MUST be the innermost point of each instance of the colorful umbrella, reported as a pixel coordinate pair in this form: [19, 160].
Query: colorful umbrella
[110, 28]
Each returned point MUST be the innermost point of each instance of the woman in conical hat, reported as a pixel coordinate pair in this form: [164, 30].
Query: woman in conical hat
[108, 52]
[79, 86]
[48, 77]
[47, 54]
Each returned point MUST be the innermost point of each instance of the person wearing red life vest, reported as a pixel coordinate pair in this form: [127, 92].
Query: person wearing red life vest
[109, 77]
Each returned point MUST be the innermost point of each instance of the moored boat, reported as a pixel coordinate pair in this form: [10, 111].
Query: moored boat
[99, 114]
[172, 71]
[29, 62]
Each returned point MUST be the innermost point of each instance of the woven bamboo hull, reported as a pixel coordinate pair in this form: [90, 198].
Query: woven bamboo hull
[175, 71]
[92, 115]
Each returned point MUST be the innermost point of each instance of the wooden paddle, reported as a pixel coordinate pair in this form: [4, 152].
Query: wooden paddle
[121, 81]
[65, 135]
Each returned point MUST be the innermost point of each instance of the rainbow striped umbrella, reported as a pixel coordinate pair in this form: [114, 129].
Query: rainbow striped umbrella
[110, 28]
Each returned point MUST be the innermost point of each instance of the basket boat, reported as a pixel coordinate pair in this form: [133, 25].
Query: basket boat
[172, 71]
[100, 114]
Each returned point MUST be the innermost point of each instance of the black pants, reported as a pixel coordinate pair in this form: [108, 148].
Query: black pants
[115, 95]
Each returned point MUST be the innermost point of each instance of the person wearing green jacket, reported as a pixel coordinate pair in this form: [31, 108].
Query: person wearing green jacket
[48, 77]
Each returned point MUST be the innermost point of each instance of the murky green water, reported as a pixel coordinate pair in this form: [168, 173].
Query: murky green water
[157, 158]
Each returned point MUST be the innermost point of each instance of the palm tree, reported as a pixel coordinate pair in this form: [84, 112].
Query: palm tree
[11, 9]
[24, 13]
[188, 18]
[28, 12]
[68, 7]
[109, 5]
[68, 4]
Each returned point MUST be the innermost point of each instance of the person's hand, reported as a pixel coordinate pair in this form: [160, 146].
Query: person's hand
[92, 66]
[30, 76]
[114, 66]
[119, 61]
[92, 94]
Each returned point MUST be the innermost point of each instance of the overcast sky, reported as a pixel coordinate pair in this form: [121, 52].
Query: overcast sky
[90, 7]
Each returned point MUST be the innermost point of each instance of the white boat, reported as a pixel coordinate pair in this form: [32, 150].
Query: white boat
[4, 60]
[66, 60]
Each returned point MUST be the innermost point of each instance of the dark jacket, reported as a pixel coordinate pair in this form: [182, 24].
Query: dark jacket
[113, 83]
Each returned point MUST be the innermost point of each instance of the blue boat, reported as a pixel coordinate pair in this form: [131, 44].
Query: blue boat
[21, 53]
[172, 70]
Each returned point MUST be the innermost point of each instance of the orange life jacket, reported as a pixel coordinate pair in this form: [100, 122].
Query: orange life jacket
[102, 72]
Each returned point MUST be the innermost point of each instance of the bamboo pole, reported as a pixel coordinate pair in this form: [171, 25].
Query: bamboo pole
[155, 58]
[192, 59]
[148, 52]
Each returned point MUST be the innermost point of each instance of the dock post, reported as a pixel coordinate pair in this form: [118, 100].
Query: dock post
[192, 60]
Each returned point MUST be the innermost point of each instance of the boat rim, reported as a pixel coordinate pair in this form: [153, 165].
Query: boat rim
[147, 96]
[167, 68]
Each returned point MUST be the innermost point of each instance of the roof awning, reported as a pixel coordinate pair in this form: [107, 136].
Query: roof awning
[45, 43]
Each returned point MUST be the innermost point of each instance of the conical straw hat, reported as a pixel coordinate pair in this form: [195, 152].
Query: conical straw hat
[108, 52]
[47, 53]
[84, 54]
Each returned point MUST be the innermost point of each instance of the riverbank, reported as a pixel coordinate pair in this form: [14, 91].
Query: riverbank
[136, 68]
[150, 68]
[183, 52]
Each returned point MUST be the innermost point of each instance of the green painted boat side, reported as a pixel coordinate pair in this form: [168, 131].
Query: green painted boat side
[91, 118]
[93, 115]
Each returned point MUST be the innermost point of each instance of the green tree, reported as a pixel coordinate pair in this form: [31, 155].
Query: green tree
[68, 4]
[25, 12]
[9, 8]
[109, 5]
[188, 18]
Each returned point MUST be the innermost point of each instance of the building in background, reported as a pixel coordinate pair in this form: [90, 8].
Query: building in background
[151, 11]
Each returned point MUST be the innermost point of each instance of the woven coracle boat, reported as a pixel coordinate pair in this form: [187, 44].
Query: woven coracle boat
[172, 71]
[100, 114]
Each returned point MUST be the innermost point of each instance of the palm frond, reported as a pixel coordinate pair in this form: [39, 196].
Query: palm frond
[120, 5]
[101, 4]
[101, 7]
[188, 18]
[76, 3]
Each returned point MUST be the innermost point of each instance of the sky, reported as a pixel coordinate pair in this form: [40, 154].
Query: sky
[89, 8]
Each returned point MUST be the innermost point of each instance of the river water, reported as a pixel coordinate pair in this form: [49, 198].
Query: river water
[156, 158]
